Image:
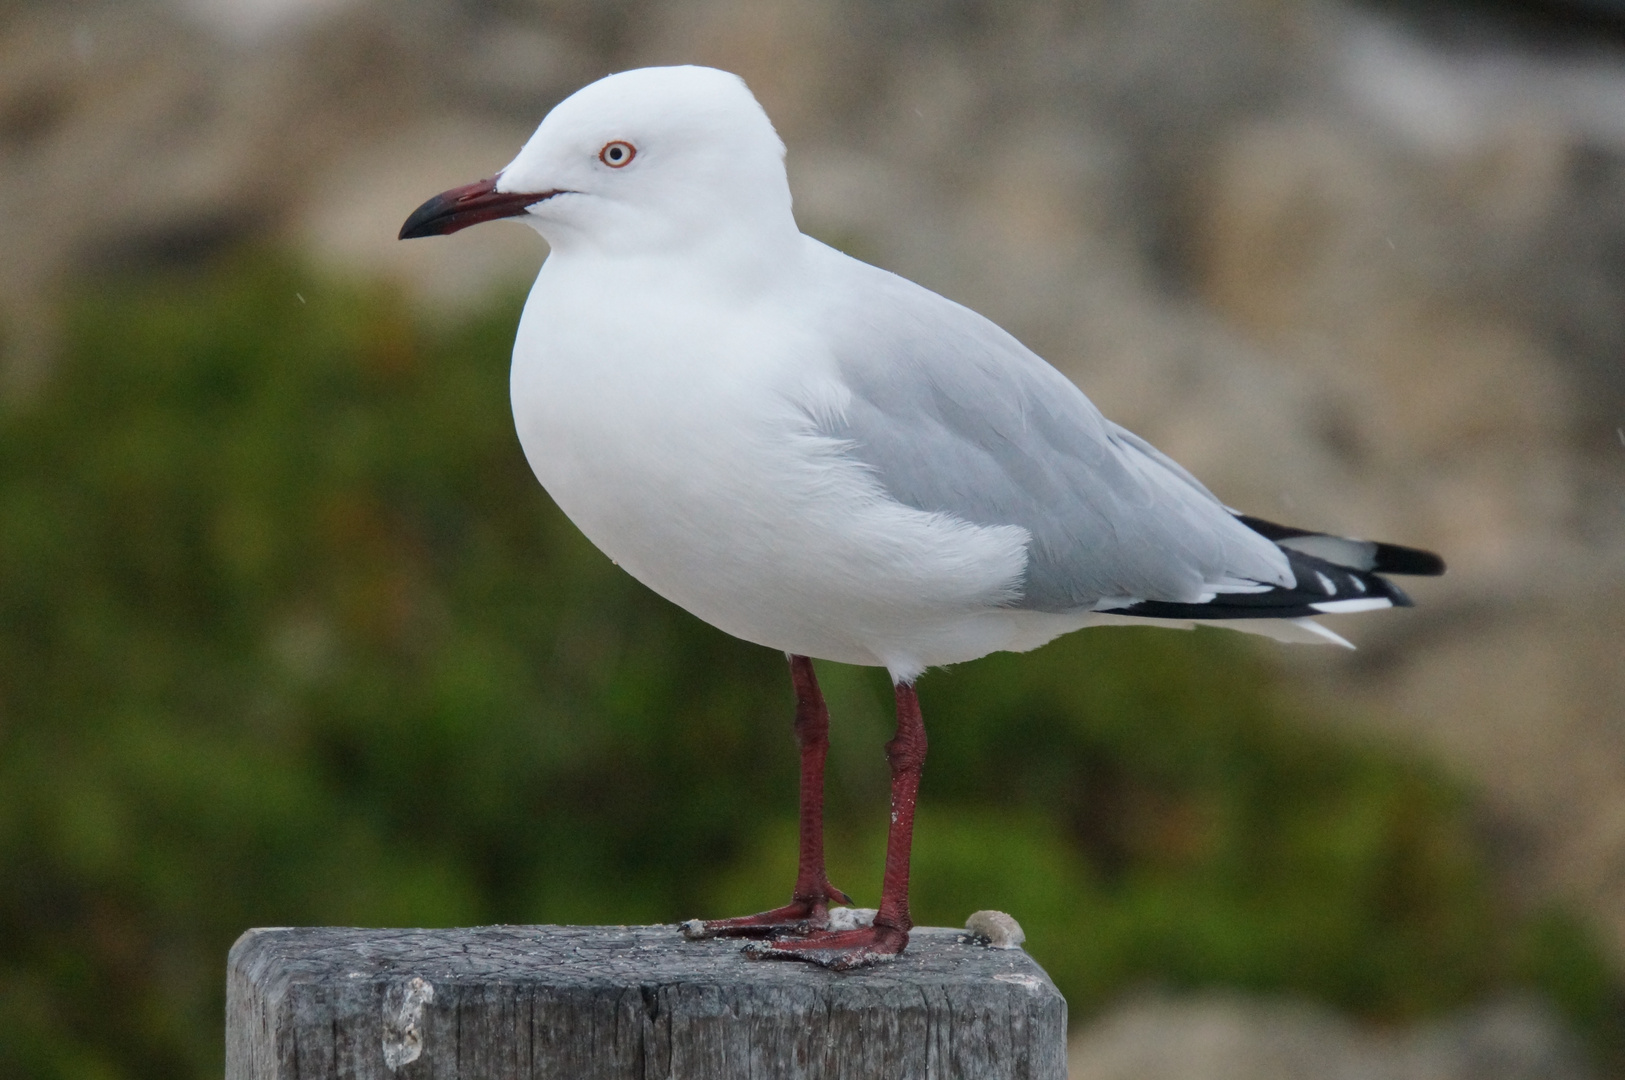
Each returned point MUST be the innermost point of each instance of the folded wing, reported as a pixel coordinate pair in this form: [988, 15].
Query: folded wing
[955, 416]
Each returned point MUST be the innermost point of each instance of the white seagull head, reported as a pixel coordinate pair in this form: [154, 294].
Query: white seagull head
[644, 161]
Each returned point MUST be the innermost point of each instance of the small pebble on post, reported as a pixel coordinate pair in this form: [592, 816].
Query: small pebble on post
[594, 1003]
[995, 929]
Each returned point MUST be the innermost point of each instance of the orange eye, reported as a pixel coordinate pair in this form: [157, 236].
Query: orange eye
[617, 155]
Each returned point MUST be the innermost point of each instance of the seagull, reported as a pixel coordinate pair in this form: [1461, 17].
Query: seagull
[827, 459]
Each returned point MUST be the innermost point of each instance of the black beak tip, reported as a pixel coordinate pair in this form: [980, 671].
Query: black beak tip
[427, 220]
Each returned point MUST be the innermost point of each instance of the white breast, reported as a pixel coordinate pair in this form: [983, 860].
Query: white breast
[672, 425]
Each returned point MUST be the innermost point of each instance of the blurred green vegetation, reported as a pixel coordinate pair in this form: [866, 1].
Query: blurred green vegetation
[289, 635]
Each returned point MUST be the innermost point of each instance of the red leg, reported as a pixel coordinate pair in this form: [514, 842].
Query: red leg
[808, 909]
[889, 934]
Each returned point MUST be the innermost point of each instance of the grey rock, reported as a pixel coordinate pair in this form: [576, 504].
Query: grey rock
[996, 929]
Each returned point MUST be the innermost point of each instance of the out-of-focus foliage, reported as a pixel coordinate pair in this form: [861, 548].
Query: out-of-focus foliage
[289, 635]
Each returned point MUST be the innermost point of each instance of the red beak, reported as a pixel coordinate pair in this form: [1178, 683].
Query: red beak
[468, 205]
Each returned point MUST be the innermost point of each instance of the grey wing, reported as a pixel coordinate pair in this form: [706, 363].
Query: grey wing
[954, 415]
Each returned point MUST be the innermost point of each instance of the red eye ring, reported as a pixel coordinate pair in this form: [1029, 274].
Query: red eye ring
[617, 154]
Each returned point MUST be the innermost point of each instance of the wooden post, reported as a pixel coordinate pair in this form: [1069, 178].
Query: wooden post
[601, 1002]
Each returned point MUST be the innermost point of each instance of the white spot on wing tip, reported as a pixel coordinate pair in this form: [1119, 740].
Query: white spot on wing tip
[1344, 607]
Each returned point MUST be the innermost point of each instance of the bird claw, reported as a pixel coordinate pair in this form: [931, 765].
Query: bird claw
[798, 918]
[764, 925]
[840, 950]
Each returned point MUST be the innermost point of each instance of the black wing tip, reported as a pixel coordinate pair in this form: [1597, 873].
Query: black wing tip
[1322, 588]
[1414, 562]
[1389, 558]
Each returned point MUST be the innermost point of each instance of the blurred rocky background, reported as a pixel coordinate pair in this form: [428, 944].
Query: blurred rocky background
[1361, 267]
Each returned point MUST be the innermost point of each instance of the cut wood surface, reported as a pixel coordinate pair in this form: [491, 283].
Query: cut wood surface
[592, 1002]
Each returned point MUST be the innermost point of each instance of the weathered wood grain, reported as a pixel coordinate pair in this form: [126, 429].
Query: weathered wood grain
[639, 1003]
